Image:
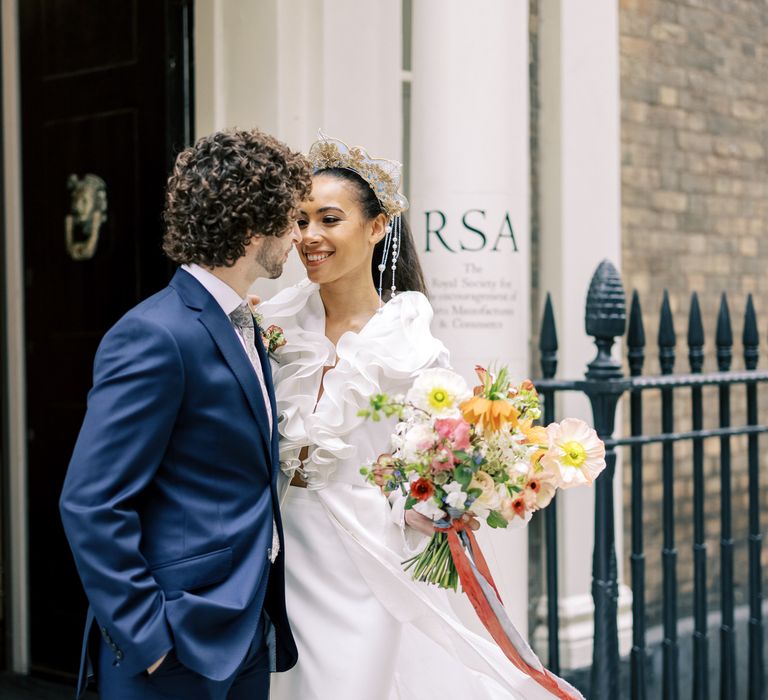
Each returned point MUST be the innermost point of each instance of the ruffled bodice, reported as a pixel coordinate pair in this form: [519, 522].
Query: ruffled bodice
[384, 357]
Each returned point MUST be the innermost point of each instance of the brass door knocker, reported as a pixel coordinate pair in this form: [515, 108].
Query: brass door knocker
[88, 211]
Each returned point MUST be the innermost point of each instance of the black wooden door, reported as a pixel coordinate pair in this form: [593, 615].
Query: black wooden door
[105, 105]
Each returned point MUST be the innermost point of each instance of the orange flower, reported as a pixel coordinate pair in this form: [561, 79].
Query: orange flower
[482, 375]
[535, 435]
[489, 414]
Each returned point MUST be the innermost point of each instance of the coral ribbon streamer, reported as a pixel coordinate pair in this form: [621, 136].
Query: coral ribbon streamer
[483, 609]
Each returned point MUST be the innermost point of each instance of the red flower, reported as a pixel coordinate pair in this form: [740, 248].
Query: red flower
[422, 489]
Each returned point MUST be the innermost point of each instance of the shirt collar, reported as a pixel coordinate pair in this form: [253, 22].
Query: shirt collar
[226, 297]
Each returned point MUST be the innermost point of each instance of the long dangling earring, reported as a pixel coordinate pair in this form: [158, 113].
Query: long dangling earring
[396, 242]
[388, 241]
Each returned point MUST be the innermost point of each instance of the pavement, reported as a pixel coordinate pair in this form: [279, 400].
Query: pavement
[15, 687]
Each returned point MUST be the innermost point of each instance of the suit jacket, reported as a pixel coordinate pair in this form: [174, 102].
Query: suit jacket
[170, 494]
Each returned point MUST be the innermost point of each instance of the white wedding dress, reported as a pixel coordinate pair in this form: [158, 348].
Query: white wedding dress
[364, 629]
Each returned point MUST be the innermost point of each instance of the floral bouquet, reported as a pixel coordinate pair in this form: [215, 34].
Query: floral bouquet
[458, 452]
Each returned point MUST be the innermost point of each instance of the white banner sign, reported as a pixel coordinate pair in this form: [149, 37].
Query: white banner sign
[477, 268]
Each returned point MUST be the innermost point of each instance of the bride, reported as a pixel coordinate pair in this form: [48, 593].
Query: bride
[360, 325]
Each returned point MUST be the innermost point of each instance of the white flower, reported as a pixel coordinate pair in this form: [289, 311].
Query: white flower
[575, 455]
[520, 468]
[439, 392]
[429, 509]
[417, 439]
[489, 499]
[456, 498]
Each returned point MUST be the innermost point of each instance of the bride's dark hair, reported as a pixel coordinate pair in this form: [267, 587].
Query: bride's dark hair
[409, 275]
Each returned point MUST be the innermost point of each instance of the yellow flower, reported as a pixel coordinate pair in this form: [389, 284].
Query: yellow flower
[575, 454]
[439, 398]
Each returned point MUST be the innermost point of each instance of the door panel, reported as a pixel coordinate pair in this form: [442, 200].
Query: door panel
[104, 94]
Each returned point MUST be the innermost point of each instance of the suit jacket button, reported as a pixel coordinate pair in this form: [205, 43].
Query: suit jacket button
[119, 655]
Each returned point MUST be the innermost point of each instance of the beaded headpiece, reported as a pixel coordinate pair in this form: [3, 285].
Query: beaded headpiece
[384, 178]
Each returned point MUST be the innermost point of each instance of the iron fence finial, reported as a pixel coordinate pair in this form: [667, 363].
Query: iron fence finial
[606, 319]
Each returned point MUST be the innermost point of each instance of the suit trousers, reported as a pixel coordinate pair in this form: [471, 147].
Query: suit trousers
[173, 680]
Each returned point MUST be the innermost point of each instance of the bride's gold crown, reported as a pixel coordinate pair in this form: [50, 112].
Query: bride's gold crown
[384, 176]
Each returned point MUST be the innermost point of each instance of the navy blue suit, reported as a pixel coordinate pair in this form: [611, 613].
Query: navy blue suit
[170, 495]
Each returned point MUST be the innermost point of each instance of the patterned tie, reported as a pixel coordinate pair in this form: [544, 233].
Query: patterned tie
[242, 318]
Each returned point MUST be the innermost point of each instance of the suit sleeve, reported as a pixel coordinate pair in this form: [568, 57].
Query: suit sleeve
[132, 410]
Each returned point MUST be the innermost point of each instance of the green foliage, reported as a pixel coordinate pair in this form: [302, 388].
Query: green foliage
[496, 520]
[381, 404]
[463, 475]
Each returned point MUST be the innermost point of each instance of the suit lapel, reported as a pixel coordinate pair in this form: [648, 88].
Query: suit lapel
[220, 328]
[224, 335]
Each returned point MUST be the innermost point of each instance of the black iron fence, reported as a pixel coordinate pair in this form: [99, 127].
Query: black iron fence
[604, 385]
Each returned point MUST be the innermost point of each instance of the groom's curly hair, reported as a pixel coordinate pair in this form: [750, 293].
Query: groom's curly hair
[227, 188]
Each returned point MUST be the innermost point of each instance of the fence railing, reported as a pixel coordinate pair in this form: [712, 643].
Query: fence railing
[604, 385]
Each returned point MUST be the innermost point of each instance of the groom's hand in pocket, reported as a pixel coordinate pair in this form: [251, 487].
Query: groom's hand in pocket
[156, 665]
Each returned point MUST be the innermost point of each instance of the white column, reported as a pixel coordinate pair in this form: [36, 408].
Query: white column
[580, 226]
[470, 204]
[291, 67]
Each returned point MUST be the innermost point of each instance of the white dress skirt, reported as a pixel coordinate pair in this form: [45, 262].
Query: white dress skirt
[364, 629]
[339, 625]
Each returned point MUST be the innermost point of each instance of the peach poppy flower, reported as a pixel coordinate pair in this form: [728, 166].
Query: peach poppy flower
[576, 455]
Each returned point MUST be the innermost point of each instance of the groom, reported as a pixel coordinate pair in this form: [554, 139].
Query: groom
[169, 503]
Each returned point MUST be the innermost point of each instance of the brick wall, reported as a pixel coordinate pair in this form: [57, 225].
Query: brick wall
[694, 88]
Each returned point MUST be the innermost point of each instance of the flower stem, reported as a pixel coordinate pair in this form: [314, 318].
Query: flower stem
[434, 564]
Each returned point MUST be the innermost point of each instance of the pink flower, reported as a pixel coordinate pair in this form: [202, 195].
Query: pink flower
[443, 460]
[455, 431]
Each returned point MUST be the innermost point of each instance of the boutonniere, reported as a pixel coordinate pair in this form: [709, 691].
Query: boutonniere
[272, 337]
